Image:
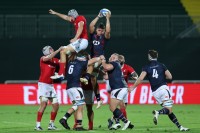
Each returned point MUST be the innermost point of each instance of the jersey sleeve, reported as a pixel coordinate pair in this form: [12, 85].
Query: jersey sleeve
[114, 64]
[130, 69]
[164, 67]
[144, 68]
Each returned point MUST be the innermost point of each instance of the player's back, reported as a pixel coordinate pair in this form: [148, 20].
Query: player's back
[74, 72]
[156, 74]
[116, 79]
[81, 18]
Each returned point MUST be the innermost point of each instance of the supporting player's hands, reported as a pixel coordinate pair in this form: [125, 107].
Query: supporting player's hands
[52, 11]
[102, 58]
[73, 40]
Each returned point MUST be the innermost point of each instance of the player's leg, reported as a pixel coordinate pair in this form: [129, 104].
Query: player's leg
[163, 97]
[43, 104]
[75, 119]
[116, 97]
[55, 107]
[63, 59]
[72, 93]
[89, 100]
[77, 46]
[90, 115]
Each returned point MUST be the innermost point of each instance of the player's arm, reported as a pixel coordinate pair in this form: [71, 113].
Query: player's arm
[93, 23]
[79, 31]
[107, 33]
[138, 81]
[93, 60]
[63, 16]
[49, 57]
[105, 76]
[168, 76]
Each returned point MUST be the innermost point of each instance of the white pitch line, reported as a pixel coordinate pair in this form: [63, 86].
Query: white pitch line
[19, 123]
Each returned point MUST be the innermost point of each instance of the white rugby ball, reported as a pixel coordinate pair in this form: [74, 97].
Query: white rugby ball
[104, 11]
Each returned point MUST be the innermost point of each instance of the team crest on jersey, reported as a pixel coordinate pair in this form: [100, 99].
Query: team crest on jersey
[95, 42]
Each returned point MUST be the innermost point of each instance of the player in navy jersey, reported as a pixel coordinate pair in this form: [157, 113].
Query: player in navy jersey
[118, 86]
[76, 65]
[98, 41]
[157, 74]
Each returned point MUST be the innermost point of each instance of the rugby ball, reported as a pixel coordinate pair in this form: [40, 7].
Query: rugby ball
[104, 11]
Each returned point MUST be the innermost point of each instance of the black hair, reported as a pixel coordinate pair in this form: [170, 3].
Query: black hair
[153, 53]
[101, 26]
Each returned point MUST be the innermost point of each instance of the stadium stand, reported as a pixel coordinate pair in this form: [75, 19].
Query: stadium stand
[128, 7]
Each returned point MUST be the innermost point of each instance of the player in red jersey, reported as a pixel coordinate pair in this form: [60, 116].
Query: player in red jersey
[78, 43]
[45, 86]
[128, 71]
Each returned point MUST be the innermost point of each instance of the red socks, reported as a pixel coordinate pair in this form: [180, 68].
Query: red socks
[124, 112]
[90, 125]
[53, 115]
[62, 68]
[39, 116]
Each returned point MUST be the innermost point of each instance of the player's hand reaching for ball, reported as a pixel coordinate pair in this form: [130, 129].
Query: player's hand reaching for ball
[60, 48]
[108, 15]
[52, 11]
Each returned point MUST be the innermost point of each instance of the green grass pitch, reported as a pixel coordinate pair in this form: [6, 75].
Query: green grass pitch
[21, 119]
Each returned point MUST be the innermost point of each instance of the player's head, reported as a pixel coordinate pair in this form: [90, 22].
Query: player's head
[152, 55]
[100, 29]
[121, 59]
[47, 50]
[73, 13]
[82, 55]
[114, 57]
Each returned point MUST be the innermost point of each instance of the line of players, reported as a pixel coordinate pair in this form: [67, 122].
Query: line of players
[79, 61]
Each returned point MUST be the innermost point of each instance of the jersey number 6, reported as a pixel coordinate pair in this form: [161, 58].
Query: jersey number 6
[71, 69]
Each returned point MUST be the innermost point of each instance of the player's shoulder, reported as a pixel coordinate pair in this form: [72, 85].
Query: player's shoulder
[127, 66]
[81, 18]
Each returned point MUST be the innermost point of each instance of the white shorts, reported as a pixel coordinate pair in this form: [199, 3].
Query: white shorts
[46, 90]
[75, 94]
[120, 93]
[162, 94]
[126, 99]
[80, 44]
[89, 96]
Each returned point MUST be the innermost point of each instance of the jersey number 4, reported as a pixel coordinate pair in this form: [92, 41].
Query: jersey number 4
[71, 69]
[155, 73]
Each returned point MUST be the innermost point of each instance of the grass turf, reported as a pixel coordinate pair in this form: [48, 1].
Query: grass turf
[22, 119]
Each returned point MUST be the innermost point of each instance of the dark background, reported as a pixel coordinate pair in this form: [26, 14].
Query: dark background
[20, 54]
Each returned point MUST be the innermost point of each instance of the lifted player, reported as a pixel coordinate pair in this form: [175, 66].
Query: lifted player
[78, 43]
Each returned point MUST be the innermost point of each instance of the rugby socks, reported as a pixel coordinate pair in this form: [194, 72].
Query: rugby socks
[66, 116]
[163, 111]
[90, 125]
[79, 122]
[118, 114]
[62, 68]
[124, 112]
[39, 117]
[173, 118]
[98, 97]
[53, 116]
[116, 120]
